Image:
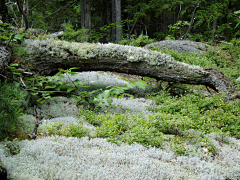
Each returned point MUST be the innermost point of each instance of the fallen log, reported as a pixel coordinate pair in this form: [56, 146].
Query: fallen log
[47, 56]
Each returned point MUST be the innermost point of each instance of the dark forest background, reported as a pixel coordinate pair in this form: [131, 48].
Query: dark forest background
[113, 20]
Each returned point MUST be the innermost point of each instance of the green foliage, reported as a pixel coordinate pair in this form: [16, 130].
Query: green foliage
[70, 34]
[72, 130]
[177, 29]
[238, 20]
[55, 129]
[125, 128]
[213, 20]
[76, 130]
[225, 58]
[155, 130]
[11, 97]
[141, 41]
[36, 34]
[46, 86]
[195, 111]
[7, 34]
[82, 35]
[216, 20]
[233, 49]
[13, 147]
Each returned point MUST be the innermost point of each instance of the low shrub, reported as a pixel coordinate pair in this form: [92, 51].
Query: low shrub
[139, 42]
[11, 98]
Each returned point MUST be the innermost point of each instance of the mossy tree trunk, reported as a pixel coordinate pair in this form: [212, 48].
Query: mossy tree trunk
[47, 56]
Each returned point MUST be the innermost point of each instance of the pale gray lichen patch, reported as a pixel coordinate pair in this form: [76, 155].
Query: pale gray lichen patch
[51, 47]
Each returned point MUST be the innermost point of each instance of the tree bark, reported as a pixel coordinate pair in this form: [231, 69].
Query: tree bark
[116, 18]
[113, 20]
[86, 14]
[23, 14]
[47, 56]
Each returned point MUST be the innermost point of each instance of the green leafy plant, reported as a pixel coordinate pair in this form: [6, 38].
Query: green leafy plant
[141, 41]
[238, 20]
[79, 35]
[7, 34]
[195, 111]
[76, 130]
[13, 147]
[177, 29]
[47, 86]
[36, 34]
[11, 97]
[55, 129]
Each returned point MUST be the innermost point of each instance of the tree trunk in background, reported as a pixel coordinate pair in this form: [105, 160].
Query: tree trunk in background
[113, 21]
[30, 14]
[214, 30]
[23, 12]
[15, 16]
[86, 22]
[3, 11]
[116, 18]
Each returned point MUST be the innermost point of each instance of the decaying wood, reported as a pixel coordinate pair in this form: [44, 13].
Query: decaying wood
[46, 57]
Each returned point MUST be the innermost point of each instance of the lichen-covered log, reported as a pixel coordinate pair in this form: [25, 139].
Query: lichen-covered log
[46, 56]
[5, 57]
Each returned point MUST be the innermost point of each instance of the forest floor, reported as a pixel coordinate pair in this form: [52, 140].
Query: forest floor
[91, 157]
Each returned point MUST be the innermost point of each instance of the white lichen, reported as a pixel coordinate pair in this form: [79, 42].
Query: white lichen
[60, 48]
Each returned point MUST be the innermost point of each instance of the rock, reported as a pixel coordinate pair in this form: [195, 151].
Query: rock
[181, 45]
[238, 79]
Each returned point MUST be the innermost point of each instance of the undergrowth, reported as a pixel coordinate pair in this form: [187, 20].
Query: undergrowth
[173, 117]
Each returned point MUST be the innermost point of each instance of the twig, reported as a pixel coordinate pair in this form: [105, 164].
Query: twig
[23, 14]
[9, 40]
[32, 136]
[3, 76]
[52, 13]
[36, 120]
[208, 90]
[72, 82]
[16, 19]
[22, 83]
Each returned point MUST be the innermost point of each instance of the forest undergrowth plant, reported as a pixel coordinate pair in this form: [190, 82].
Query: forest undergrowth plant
[196, 111]
[216, 58]
[76, 130]
[13, 147]
[140, 41]
[160, 131]
[59, 129]
[12, 98]
[80, 35]
[46, 86]
[177, 29]
[8, 35]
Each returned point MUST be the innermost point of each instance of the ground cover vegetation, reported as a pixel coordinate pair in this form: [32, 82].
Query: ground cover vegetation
[182, 117]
